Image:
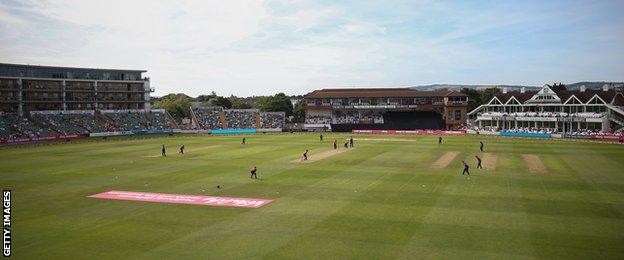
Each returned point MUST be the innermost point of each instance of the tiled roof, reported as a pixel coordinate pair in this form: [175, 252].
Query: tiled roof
[379, 92]
[584, 96]
[521, 97]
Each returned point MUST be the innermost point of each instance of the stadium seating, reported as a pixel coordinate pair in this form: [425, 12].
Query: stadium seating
[7, 121]
[42, 125]
[218, 118]
[129, 121]
[318, 120]
[241, 118]
[414, 120]
[14, 126]
[154, 120]
[390, 120]
[70, 123]
[272, 119]
[208, 117]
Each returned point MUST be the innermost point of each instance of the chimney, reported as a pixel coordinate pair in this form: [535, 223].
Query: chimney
[522, 90]
[504, 90]
[605, 87]
[583, 88]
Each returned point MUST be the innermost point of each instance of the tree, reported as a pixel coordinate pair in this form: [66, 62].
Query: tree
[221, 102]
[299, 110]
[474, 98]
[479, 97]
[239, 103]
[556, 87]
[178, 105]
[204, 98]
[279, 102]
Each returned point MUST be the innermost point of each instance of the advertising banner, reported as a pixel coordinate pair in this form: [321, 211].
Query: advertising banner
[142, 132]
[574, 136]
[601, 137]
[184, 131]
[135, 132]
[36, 139]
[525, 134]
[262, 130]
[183, 199]
[233, 131]
[410, 132]
[608, 137]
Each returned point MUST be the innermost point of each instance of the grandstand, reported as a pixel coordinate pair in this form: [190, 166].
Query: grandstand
[14, 126]
[138, 120]
[384, 108]
[553, 110]
[215, 118]
[208, 117]
[272, 120]
[43, 102]
[25, 88]
[81, 122]
[74, 122]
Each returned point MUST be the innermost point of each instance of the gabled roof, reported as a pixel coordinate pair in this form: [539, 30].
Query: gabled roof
[512, 98]
[596, 97]
[379, 92]
[619, 99]
[570, 100]
[498, 101]
[521, 97]
[584, 97]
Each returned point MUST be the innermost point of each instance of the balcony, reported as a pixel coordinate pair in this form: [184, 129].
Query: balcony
[543, 116]
[456, 102]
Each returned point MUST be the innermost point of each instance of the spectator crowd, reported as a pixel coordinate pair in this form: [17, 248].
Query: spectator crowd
[49, 124]
[545, 114]
[272, 119]
[216, 117]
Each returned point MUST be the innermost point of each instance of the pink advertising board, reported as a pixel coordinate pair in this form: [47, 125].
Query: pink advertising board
[410, 132]
[182, 199]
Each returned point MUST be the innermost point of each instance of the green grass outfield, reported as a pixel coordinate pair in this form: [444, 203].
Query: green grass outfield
[380, 200]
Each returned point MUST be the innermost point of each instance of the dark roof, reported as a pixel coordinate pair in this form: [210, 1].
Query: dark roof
[521, 97]
[71, 68]
[584, 97]
[379, 92]
[619, 99]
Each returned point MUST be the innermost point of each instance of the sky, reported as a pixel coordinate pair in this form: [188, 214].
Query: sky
[256, 47]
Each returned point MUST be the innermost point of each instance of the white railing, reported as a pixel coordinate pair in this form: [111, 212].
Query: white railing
[542, 114]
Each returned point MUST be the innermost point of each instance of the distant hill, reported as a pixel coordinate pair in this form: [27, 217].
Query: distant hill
[592, 85]
[458, 87]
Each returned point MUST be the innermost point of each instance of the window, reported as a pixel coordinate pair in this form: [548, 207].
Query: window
[457, 115]
[542, 97]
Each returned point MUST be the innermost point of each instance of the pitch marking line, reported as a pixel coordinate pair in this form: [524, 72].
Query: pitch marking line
[534, 163]
[385, 139]
[489, 161]
[187, 150]
[444, 160]
[320, 156]
[202, 148]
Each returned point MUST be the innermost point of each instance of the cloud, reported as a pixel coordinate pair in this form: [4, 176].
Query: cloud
[262, 47]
